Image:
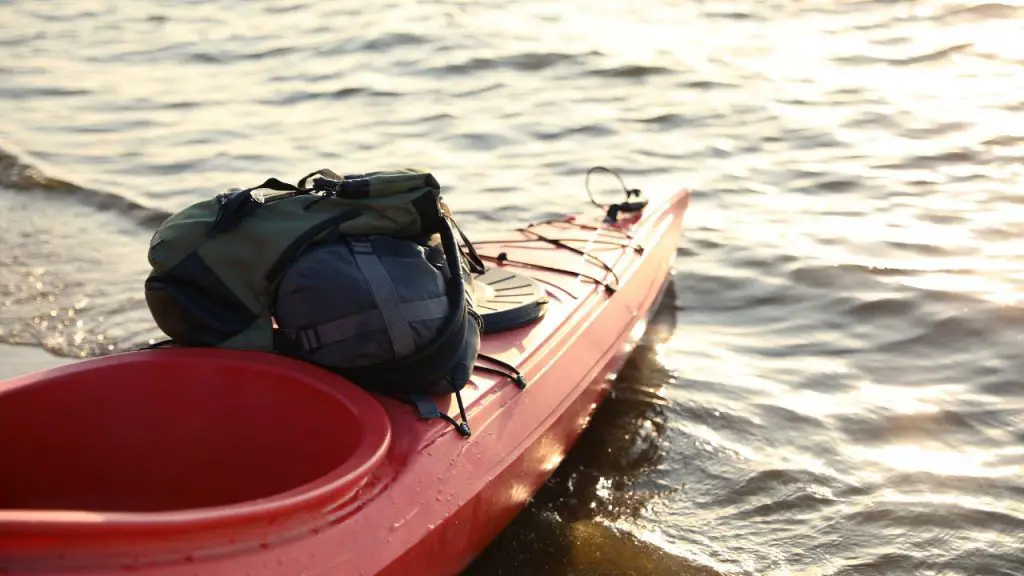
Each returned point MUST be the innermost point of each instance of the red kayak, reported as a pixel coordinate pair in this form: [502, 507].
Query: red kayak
[180, 461]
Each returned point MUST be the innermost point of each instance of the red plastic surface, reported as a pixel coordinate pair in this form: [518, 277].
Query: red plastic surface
[131, 452]
[437, 499]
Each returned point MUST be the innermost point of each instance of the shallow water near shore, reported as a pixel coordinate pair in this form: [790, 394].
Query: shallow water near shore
[835, 383]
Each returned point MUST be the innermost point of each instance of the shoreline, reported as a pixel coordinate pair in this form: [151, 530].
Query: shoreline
[19, 360]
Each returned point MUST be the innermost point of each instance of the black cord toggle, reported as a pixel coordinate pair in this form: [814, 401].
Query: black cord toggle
[612, 211]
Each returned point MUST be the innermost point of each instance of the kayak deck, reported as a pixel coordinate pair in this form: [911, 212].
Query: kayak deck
[309, 474]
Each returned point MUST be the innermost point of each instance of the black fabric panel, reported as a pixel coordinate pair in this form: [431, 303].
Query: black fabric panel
[429, 210]
[355, 188]
[422, 369]
[193, 306]
[289, 254]
[438, 360]
[432, 182]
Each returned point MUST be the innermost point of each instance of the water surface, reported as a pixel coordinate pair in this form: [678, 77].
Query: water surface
[834, 385]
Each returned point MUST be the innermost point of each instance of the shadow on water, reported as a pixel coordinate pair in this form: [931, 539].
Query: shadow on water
[604, 477]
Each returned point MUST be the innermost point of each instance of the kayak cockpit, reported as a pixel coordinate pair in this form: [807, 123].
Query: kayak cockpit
[179, 451]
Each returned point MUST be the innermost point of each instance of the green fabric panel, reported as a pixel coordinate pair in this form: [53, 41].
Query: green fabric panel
[387, 183]
[181, 233]
[244, 255]
[388, 216]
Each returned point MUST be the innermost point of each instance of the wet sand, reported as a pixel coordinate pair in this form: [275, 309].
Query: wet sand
[17, 360]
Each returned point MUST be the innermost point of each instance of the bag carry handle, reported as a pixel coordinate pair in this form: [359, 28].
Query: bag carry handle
[322, 172]
[351, 188]
[236, 206]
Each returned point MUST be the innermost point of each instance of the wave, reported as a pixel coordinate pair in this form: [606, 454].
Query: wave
[868, 428]
[987, 11]
[982, 326]
[1005, 140]
[800, 502]
[224, 57]
[934, 56]
[925, 58]
[339, 94]
[911, 515]
[929, 483]
[379, 43]
[18, 174]
[526, 62]
[584, 131]
[734, 15]
[631, 71]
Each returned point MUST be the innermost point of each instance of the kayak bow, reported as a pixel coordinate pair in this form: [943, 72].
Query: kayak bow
[180, 461]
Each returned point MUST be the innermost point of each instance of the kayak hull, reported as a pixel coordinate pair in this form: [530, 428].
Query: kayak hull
[418, 498]
[465, 533]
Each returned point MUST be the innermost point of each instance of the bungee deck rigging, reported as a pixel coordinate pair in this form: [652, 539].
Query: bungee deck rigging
[612, 213]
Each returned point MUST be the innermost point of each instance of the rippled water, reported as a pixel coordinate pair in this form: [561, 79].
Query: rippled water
[836, 385]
